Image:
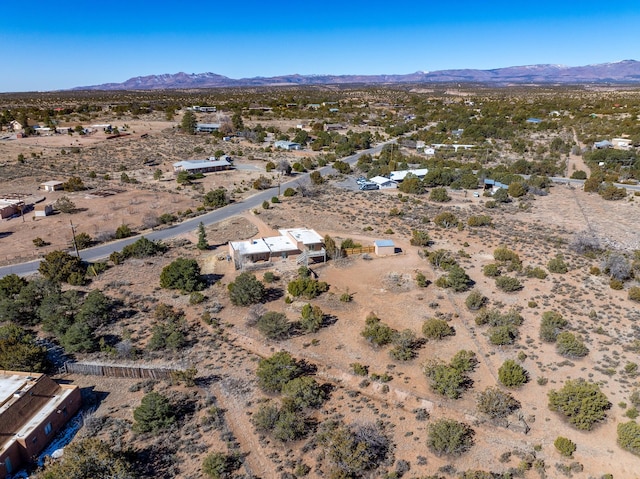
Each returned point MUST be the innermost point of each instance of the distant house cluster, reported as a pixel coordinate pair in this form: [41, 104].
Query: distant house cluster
[617, 143]
[204, 109]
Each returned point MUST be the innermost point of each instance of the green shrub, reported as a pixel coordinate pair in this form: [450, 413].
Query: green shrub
[274, 325]
[434, 328]
[475, 300]
[59, 266]
[446, 220]
[581, 402]
[285, 424]
[376, 332]
[481, 220]
[508, 284]
[420, 238]
[557, 265]
[143, 248]
[565, 446]
[634, 293]
[307, 287]
[154, 414]
[270, 277]
[182, 274]
[449, 437]
[491, 270]
[503, 335]
[123, 231]
[289, 192]
[404, 345]
[536, 272]
[569, 346]
[507, 258]
[616, 284]
[629, 437]
[220, 466]
[439, 195]
[496, 403]
[456, 279]
[359, 369]
[511, 374]
[304, 392]
[551, 325]
[246, 290]
[196, 297]
[276, 371]
[312, 318]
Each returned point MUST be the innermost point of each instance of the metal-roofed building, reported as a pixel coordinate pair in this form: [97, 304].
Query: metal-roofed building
[202, 166]
[383, 182]
[401, 174]
[33, 408]
[207, 127]
[287, 145]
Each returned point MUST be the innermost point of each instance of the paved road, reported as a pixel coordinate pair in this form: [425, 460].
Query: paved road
[103, 251]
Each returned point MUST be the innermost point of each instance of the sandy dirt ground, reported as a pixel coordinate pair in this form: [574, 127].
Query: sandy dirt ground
[386, 286]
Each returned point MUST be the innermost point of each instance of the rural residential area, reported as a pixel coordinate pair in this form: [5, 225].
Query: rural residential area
[410, 280]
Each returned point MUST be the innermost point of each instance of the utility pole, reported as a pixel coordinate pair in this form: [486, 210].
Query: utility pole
[75, 245]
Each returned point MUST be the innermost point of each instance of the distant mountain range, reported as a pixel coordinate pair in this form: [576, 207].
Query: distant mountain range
[626, 71]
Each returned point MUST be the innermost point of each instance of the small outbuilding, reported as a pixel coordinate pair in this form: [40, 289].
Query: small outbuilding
[52, 185]
[384, 247]
[43, 210]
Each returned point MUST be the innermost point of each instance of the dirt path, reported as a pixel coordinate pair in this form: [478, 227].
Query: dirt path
[575, 161]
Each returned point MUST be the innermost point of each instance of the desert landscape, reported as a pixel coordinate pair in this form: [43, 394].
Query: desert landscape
[446, 359]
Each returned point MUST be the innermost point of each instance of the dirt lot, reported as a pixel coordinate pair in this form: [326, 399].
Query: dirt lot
[226, 357]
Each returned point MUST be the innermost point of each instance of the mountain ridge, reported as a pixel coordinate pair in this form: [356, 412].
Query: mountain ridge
[625, 71]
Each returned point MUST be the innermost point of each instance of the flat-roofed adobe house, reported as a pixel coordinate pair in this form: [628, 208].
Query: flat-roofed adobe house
[203, 166]
[295, 244]
[33, 408]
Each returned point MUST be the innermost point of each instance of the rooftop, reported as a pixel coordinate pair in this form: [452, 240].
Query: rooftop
[255, 246]
[386, 242]
[306, 236]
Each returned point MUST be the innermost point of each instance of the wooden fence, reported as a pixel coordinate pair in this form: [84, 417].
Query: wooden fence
[133, 372]
[361, 250]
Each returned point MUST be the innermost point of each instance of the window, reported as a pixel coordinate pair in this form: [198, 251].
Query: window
[47, 429]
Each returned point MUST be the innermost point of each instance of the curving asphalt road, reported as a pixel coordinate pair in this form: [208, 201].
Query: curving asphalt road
[103, 251]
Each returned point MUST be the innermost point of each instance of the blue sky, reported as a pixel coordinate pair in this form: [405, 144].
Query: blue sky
[51, 45]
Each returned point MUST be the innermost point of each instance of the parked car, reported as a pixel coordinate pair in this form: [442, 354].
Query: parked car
[369, 186]
[361, 180]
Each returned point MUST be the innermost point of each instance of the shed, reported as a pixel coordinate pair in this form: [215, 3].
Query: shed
[384, 247]
[43, 210]
[52, 185]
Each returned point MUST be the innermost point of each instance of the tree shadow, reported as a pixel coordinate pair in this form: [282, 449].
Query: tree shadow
[4, 234]
[212, 278]
[329, 320]
[272, 294]
[91, 397]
